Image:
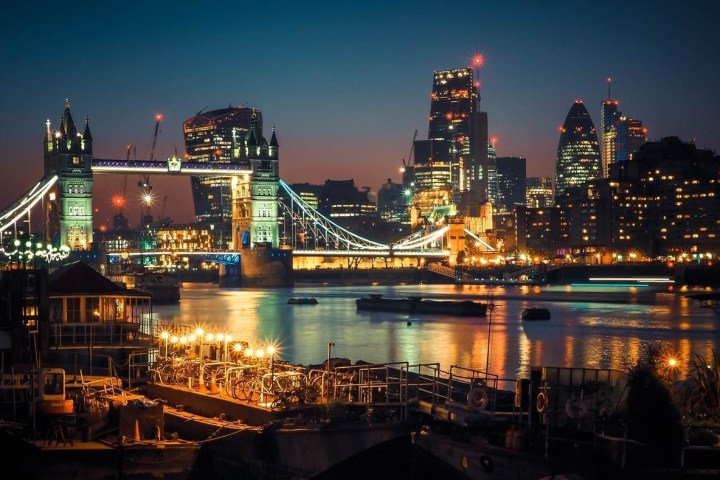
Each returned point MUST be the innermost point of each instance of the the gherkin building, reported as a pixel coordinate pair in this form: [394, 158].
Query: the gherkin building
[578, 153]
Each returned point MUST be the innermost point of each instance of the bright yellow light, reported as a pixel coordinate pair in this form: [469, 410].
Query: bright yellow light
[199, 332]
[165, 335]
[672, 362]
[237, 347]
[270, 350]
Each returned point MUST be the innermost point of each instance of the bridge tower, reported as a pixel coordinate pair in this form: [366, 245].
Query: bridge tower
[265, 184]
[68, 213]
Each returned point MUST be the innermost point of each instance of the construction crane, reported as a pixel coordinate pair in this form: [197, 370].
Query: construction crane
[407, 165]
[144, 183]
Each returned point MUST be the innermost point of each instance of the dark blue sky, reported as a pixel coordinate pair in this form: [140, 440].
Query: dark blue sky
[346, 84]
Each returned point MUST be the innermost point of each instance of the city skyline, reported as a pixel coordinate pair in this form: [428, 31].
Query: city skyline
[345, 85]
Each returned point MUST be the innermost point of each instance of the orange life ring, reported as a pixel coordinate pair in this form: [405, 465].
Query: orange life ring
[542, 402]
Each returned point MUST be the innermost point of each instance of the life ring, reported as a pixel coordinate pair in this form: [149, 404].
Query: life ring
[542, 402]
[575, 408]
[486, 464]
[477, 398]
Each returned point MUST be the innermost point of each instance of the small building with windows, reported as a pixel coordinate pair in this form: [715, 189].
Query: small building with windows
[90, 315]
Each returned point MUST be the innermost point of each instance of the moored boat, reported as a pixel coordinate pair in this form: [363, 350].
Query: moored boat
[418, 305]
[302, 301]
[534, 313]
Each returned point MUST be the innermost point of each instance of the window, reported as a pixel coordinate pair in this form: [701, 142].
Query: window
[73, 309]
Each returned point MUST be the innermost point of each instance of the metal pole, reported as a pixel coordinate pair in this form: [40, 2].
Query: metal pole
[330, 346]
[491, 307]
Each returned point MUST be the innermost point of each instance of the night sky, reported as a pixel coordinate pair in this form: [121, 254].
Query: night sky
[345, 83]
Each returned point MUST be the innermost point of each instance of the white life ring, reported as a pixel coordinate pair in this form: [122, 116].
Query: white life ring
[477, 398]
[542, 402]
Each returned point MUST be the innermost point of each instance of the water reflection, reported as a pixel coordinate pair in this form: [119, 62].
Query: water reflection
[587, 329]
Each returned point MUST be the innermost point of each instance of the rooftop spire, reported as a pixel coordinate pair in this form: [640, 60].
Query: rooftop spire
[86, 135]
[273, 139]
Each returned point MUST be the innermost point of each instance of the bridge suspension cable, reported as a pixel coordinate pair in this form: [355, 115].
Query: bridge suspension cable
[330, 230]
[18, 210]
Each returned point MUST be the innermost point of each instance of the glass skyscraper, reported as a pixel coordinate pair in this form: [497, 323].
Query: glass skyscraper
[511, 173]
[209, 138]
[609, 116]
[578, 153]
[452, 110]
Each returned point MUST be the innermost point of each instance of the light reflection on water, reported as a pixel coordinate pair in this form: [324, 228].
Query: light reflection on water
[588, 328]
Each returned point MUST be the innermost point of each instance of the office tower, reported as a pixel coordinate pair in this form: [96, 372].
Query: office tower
[609, 116]
[539, 192]
[432, 165]
[492, 185]
[452, 110]
[578, 154]
[628, 135]
[511, 173]
[210, 137]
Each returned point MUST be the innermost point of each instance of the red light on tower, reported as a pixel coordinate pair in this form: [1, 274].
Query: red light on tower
[159, 117]
[118, 201]
[478, 60]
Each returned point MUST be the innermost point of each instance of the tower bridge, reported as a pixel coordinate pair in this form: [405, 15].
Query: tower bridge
[65, 194]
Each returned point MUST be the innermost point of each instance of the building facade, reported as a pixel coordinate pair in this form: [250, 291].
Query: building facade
[539, 192]
[511, 175]
[215, 136]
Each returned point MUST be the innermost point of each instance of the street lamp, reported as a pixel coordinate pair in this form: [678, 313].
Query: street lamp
[271, 352]
[165, 336]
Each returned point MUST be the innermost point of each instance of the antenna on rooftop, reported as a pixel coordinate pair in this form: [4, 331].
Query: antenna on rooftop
[609, 82]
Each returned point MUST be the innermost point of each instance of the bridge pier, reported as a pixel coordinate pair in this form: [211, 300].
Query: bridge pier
[230, 276]
[262, 266]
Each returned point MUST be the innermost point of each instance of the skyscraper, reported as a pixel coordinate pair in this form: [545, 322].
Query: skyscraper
[627, 135]
[212, 137]
[609, 115]
[511, 173]
[578, 153]
[608, 118]
[452, 110]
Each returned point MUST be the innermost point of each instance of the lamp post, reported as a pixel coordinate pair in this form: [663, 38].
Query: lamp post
[271, 352]
[165, 336]
[330, 347]
[491, 307]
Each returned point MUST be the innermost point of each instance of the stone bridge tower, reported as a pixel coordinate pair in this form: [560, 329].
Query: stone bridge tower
[68, 213]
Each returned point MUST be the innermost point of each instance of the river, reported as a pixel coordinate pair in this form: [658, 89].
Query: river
[588, 328]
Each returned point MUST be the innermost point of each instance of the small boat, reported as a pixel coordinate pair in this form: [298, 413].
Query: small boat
[417, 305]
[534, 313]
[302, 301]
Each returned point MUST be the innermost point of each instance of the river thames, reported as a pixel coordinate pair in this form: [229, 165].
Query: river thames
[588, 328]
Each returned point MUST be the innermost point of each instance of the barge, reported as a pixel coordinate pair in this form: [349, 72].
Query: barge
[418, 305]
[534, 313]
